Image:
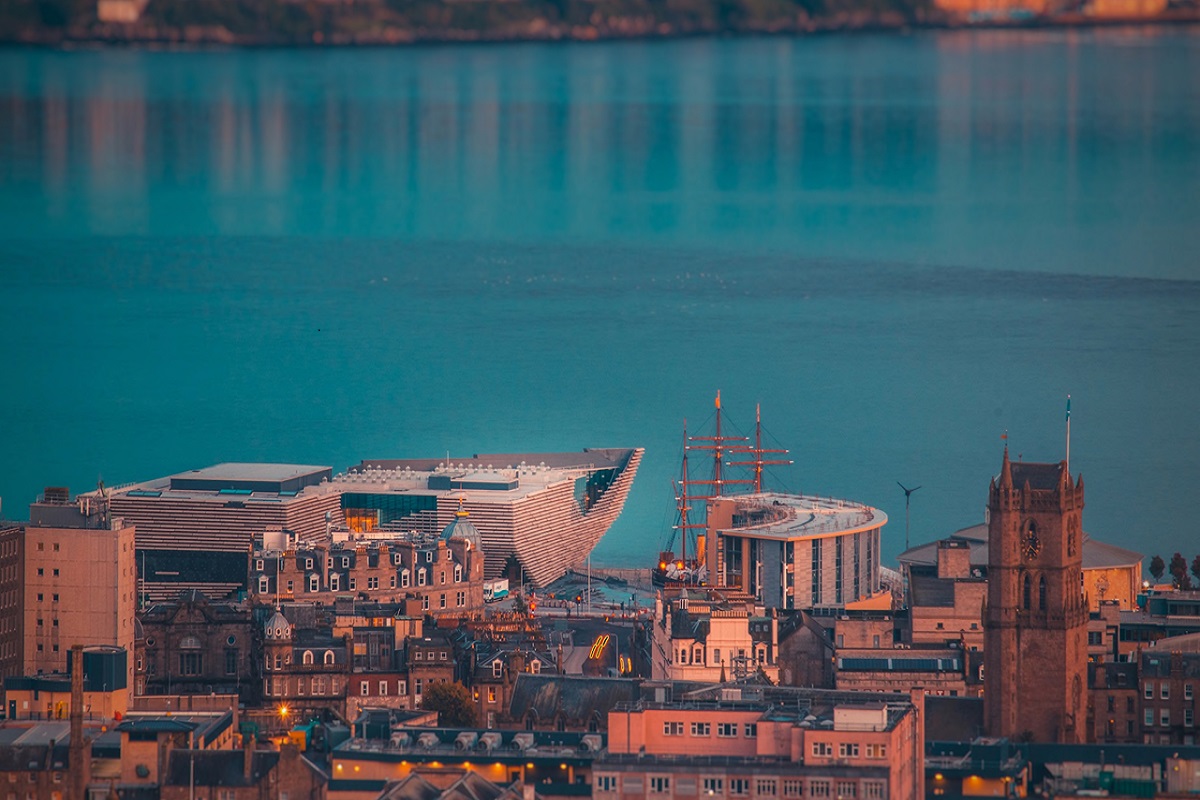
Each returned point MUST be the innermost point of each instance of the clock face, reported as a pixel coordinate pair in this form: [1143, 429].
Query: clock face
[1033, 545]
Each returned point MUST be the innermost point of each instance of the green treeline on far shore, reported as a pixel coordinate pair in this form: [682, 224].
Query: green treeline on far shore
[268, 22]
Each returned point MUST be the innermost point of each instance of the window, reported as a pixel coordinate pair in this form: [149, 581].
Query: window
[460, 599]
[659, 784]
[404, 579]
[41, 570]
[335, 582]
[716, 659]
[497, 668]
[191, 663]
[822, 749]
[383, 688]
[739, 786]
[713, 785]
[1112, 703]
[231, 662]
[793, 788]
[672, 729]
[373, 582]
[726, 729]
[442, 655]
[1187, 718]
[1128, 705]
[328, 658]
[491, 694]
[1164, 690]
[1149, 693]
[425, 603]
[308, 657]
[766, 787]
[442, 600]
[308, 564]
[1187, 691]
[848, 750]
[1148, 717]
[364, 688]
[351, 583]
[392, 581]
[258, 565]
[847, 790]
[264, 584]
[314, 583]
[877, 751]
[1164, 717]
[421, 577]
[54, 597]
[458, 573]
[818, 788]
[751, 730]
[873, 790]
[701, 729]
[606, 783]
[291, 587]
[535, 667]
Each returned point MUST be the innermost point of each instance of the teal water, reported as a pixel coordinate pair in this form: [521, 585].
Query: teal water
[900, 245]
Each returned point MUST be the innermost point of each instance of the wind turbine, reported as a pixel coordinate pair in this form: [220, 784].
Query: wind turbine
[907, 497]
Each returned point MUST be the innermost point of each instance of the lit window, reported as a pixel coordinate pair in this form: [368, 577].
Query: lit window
[491, 694]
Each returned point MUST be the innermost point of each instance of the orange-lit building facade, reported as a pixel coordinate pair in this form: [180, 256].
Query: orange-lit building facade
[756, 741]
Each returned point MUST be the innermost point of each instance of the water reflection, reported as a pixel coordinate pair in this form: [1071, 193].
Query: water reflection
[891, 144]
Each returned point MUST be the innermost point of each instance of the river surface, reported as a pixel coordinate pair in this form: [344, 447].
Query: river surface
[900, 245]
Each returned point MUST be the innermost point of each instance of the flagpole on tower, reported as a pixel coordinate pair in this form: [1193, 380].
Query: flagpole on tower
[1068, 461]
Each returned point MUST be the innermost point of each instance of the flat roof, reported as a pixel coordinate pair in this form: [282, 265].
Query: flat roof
[252, 471]
[792, 516]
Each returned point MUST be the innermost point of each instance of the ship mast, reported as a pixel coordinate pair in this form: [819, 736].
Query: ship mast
[758, 451]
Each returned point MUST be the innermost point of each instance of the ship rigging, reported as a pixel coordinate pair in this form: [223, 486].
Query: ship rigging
[692, 494]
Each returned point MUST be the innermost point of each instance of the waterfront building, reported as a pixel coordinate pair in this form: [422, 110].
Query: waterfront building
[79, 583]
[794, 551]
[195, 529]
[762, 741]
[537, 514]
[1036, 617]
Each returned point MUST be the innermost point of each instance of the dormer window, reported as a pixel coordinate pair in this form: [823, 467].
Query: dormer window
[314, 583]
[328, 658]
[535, 667]
[308, 563]
[264, 584]
[458, 573]
[345, 562]
[258, 565]
[334, 581]
[307, 658]
[497, 668]
[421, 577]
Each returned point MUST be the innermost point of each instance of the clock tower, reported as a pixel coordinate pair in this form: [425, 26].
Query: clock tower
[1035, 617]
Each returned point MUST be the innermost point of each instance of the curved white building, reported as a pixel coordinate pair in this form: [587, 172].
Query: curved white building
[536, 513]
[794, 551]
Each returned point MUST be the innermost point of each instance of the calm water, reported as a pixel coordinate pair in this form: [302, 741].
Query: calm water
[901, 246]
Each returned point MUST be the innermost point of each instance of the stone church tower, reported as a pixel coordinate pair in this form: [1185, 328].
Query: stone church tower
[1035, 617]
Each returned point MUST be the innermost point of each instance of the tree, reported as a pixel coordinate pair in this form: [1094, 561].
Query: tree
[1178, 570]
[1157, 567]
[453, 703]
[1196, 567]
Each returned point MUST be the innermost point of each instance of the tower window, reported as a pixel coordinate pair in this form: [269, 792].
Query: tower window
[1042, 593]
[1026, 593]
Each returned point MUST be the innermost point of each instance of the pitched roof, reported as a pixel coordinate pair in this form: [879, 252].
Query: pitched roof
[576, 698]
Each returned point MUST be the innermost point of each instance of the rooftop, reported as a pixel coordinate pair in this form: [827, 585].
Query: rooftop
[1096, 554]
[504, 477]
[790, 516]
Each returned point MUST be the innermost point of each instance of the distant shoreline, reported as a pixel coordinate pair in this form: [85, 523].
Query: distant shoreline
[154, 36]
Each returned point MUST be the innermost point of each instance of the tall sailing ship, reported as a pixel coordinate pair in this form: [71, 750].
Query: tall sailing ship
[747, 461]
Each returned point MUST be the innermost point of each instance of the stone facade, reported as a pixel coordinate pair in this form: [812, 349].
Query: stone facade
[1035, 623]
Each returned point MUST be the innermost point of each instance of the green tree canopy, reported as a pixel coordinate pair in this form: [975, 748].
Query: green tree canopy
[453, 703]
[1179, 572]
[1157, 567]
